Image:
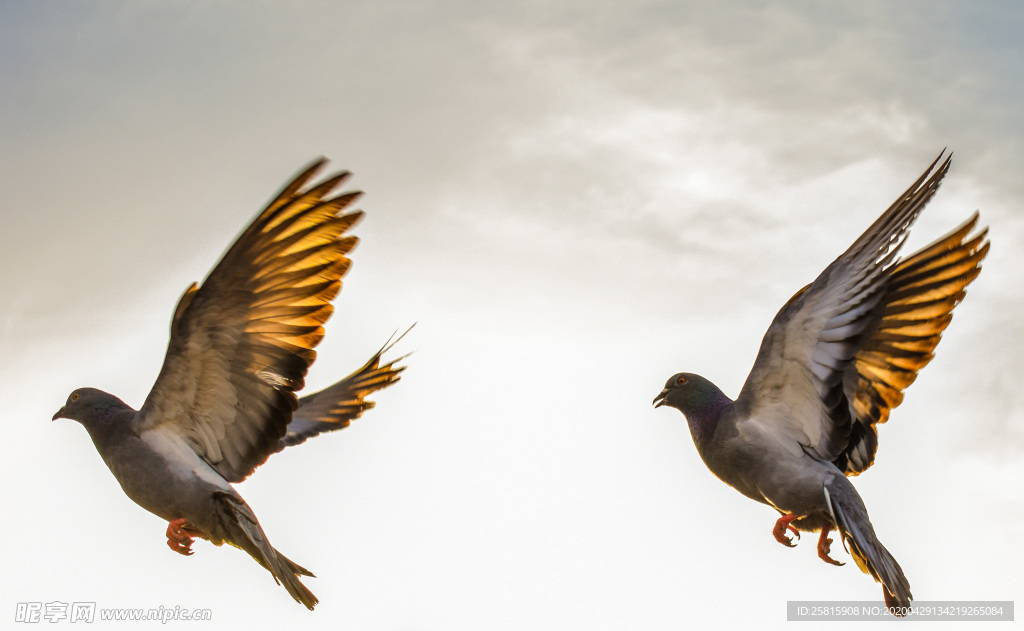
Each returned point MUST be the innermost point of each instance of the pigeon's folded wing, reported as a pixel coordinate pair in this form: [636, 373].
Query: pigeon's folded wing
[242, 342]
[796, 386]
[336, 406]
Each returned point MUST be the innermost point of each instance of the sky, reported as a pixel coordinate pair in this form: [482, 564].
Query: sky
[572, 201]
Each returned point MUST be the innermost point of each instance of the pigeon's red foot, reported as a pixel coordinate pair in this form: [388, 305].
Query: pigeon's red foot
[824, 545]
[780, 529]
[179, 538]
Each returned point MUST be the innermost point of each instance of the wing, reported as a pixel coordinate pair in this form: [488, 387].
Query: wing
[336, 406]
[796, 385]
[919, 302]
[242, 342]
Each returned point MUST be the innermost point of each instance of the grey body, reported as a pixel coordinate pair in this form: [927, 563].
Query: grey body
[160, 473]
[748, 458]
[748, 455]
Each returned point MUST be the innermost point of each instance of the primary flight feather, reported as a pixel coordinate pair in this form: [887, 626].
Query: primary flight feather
[832, 365]
[224, 401]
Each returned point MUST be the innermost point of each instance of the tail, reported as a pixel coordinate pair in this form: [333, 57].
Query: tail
[851, 519]
[249, 536]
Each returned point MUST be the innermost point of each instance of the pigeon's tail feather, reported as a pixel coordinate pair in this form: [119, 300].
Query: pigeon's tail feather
[295, 568]
[872, 558]
[249, 536]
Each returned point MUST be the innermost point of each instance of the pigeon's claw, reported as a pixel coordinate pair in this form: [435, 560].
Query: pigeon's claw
[779, 532]
[179, 538]
[824, 545]
[181, 547]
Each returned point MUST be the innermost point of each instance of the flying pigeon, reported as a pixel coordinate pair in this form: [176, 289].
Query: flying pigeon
[224, 400]
[833, 364]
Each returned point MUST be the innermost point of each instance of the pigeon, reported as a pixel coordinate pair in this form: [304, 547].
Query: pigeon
[224, 400]
[831, 367]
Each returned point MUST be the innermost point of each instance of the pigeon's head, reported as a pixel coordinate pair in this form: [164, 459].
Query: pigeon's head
[87, 405]
[690, 393]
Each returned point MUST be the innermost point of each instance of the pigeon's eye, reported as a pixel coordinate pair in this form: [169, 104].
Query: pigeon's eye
[680, 380]
[74, 397]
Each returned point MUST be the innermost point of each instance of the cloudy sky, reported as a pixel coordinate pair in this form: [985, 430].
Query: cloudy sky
[572, 200]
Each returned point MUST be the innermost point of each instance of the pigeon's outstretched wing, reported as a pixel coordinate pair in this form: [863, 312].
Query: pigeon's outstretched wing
[919, 302]
[336, 406]
[797, 383]
[242, 342]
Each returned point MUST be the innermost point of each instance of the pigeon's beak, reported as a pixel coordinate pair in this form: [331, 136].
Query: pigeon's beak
[59, 414]
[660, 399]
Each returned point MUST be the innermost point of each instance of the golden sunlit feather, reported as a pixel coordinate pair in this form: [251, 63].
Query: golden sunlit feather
[251, 327]
[333, 408]
[922, 292]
